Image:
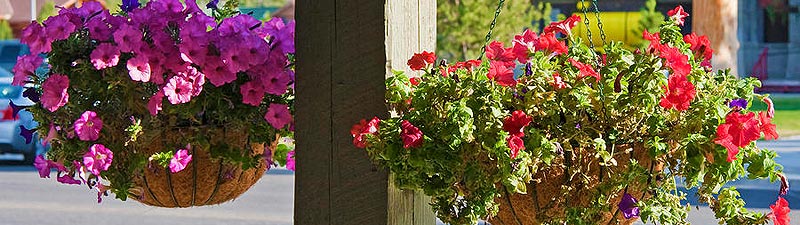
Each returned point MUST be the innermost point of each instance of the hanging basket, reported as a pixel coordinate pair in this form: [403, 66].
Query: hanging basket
[204, 181]
[549, 197]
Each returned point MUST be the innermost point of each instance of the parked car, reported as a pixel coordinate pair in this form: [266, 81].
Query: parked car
[11, 141]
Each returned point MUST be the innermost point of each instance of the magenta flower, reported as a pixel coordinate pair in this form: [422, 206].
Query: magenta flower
[101, 191]
[139, 68]
[25, 67]
[32, 36]
[98, 159]
[252, 93]
[58, 27]
[155, 102]
[217, 72]
[180, 160]
[628, 206]
[88, 126]
[54, 94]
[42, 166]
[178, 90]
[51, 134]
[67, 179]
[290, 160]
[128, 38]
[278, 115]
[275, 82]
[104, 56]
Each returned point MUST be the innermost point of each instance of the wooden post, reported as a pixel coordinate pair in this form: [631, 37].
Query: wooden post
[718, 19]
[344, 50]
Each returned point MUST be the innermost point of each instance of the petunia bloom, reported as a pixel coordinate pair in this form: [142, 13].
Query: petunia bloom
[780, 212]
[524, 45]
[700, 45]
[26, 67]
[675, 60]
[770, 107]
[180, 160]
[627, 205]
[104, 56]
[516, 144]
[411, 135]
[738, 104]
[501, 74]
[26, 133]
[564, 26]
[767, 127]
[515, 123]
[421, 60]
[98, 159]
[586, 70]
[361, 129]
[88, 126]
[278, 115]
[496, 52]
[290, 162]
[549, 43]
[679, 93]
[67, 179]
[678, 14]
[54, 94]
[737, 131]
[558, 83]
[41, 164]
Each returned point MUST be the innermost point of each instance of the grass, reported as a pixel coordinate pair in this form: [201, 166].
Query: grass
[787, 113]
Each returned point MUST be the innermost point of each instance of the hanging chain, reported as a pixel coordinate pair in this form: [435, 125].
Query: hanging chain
[586, 21]
[599, 23]
[491, 27]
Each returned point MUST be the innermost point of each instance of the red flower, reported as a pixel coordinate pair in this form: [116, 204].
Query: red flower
[549, 42]
[737, 131]
[501, 74]
[676, 60]
[655, 41]
[496, 52]
[558, 83]
[524, 45]
[516, 144]
[414, 80]
[360, 130]
[780, 212]
[411, 135]
[678, 14]
[586, 70]
[700, 45]
[421, 60]
[515, 123]
[564, 26]
[770, 107]
[767, 126]
[679, 93]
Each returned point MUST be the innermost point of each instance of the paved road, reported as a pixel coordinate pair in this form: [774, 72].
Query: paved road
[27, 199]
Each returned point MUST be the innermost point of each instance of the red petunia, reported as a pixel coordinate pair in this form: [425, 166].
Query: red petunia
[469, 65]
[737, 131]
[515, 123]
[360, 130]
[496, 52]
[564, 26]
[524, 45]
[421, 60]
[550, 43]
[501, 74]
[411, 135]
[516, 144]
[558, 83]
[679, 93]
[414, 81]
[678, 14]
[700, 45]
[676, 60]
[586, 70]
[655, 41]
[780, 212]
[767, 127]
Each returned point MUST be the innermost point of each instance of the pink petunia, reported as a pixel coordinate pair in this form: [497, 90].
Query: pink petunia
[128, 38]
[139, 68]
[105, 56]
[98, 159]
[51, 134]
[33, 36]
[290, 160]
[26, 66]
[276, 82]
[58, 27]
[180, 160]
[42, 166]
[54, 94]
[88, 126]
[67, 179]
[252, 93]
[217, 73]
[155, 102]
[278, 115]
[178, 90]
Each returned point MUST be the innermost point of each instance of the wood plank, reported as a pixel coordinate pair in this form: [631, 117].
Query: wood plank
[315, 35]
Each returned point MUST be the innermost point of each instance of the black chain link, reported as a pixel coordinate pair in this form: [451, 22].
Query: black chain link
[491, 28]
[586, 21]
[599, 23]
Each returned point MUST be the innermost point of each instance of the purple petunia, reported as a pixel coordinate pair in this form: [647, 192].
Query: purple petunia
[738, 103]
[628, 206]
[88, 126]
[104, 56]
[278, 115]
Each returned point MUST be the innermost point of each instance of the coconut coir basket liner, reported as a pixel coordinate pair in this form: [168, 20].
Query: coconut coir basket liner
[204, 181]
[544, 199]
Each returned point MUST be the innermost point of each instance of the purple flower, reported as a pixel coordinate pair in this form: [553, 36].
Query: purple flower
[290, 160]
[104, 56]
[129, 5]
[275, 82]
[178, 90]
[217, 72]
[54, 94]
[628, 206]
[278, 115]
[15, 108]
[67, 179]
[25, 67]
[58, 27]
[180, 160]
[139, 68]
[212, 4]
[88, 126]
[252, 93]
[42, 166]
[128, 38]
[25, 133]
[738, 103]
[32, 35]
[98, 159]
[31, 94]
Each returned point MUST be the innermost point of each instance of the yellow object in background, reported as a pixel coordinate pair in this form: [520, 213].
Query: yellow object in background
[618, 26]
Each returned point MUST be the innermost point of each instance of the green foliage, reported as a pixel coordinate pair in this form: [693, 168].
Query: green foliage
[609, 136]
[650, 21]
[5, 30]
[46, 11]
[463, 24]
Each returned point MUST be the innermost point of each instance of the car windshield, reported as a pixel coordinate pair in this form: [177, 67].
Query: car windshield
[9, 92]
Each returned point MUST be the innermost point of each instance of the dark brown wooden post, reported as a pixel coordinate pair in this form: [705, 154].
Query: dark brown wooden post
[344, 50]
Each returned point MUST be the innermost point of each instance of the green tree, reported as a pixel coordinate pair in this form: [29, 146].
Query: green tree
[650, 21]
[462, 24]
[47, 10]
[5, 30]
